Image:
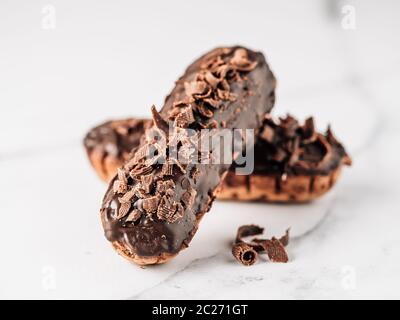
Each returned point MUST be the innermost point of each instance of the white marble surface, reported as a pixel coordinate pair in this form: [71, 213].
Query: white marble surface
[109, 59]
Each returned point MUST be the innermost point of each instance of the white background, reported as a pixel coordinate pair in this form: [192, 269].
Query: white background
[113, 59]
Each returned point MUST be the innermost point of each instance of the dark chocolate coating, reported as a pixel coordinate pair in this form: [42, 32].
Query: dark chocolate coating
[105, 137]
[296, 149]
[116, 138]
[151, 235]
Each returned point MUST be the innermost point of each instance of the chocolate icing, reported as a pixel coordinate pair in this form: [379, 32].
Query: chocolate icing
[116, 138]
[285, 147]
[228, 87]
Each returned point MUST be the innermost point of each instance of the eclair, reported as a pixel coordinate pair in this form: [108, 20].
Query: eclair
[109, 145]
[279, 176]
[293, 163]
[154, 204]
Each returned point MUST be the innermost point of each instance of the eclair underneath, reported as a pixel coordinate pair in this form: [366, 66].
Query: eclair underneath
[293, 162]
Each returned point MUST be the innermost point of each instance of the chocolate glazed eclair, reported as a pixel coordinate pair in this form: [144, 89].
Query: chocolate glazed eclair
[293, 162]
[153, 206]
[109, 145]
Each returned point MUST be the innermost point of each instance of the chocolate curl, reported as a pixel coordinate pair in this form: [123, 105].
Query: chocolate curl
[247, 253]
[285, 238]
[347, 160]
[328, 149]
[275, 250]
[330, 136]
[244, 253]
[309, 131]
[247, 231]
[241, 61]
[333, 140]
[159, 122]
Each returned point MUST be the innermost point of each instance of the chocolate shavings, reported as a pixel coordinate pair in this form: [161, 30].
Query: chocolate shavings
[247, 252]
[159, 122]
[244, 253]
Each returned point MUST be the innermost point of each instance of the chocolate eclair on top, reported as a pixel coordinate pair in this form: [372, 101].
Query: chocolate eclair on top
[153, 206]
